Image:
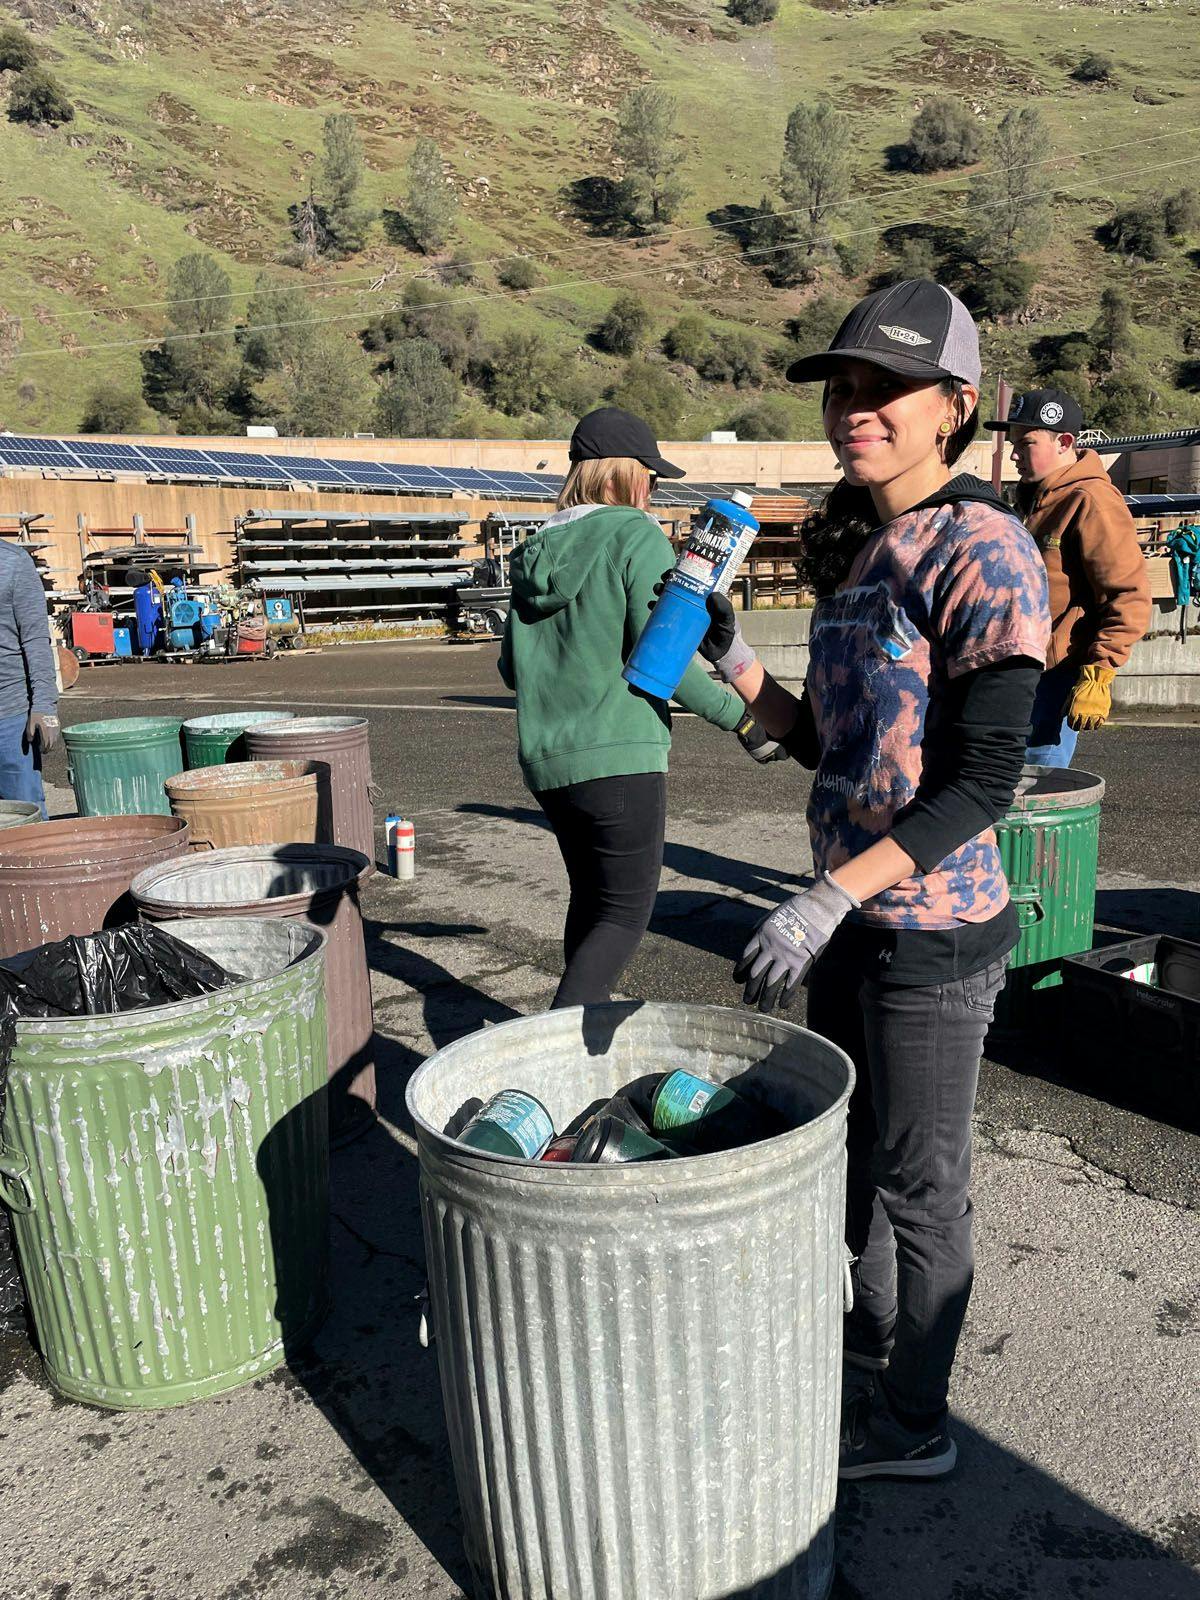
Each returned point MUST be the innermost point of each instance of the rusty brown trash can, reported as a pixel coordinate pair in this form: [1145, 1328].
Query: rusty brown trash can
[253, 802]
[317, 883]
[73, 876]
[344, 742]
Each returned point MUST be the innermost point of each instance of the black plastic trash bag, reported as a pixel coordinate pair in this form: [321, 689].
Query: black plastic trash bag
[100, 974]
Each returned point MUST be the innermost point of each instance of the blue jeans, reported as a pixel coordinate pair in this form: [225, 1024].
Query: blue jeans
[20, 763]
[1051, 741]
[916, 1053]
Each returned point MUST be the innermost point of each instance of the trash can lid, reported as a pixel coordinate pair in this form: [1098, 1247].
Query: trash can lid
[1056, 788]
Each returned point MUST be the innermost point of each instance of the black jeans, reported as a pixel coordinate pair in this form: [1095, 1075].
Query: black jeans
[916, 1053]
[610, 832]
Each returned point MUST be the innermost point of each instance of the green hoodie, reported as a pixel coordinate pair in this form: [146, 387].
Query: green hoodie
[582, 589]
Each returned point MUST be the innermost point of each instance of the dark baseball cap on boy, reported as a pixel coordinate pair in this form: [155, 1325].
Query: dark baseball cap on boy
[1042, 408]
[916, 329]
[609, 431]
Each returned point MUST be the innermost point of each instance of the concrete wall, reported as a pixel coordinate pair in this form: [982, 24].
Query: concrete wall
[1162, 673]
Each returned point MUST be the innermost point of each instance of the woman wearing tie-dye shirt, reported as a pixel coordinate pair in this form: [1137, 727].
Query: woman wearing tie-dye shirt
[927, 642]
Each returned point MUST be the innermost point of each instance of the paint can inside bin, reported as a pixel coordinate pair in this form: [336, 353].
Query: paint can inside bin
[401, 847]
[512, 1123]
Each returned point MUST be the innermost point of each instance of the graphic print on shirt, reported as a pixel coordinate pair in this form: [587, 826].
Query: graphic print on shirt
[935, 593]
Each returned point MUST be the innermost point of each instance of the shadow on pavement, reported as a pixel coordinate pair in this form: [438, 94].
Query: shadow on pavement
[1175, 911]
[366, 1370]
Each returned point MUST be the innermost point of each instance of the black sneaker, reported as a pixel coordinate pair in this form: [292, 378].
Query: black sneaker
[864, 1346]
[875, 1445]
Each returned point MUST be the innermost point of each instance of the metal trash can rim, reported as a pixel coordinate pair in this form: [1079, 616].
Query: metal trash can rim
[1056, 789]
[649, 1174]
[130, 727]
[119, 1021]
[162, 889]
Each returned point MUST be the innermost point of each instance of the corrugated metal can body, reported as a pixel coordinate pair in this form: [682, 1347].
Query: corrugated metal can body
[251, 802]
[344, 742]
[73, 876]
[118, 767]
[177, 1177]
[641, 1363]
[211, 741]
[1049, 845]
[317, 883]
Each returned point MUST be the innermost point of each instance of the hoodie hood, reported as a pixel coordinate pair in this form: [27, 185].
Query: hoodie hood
[1087, 469]
[551, 567]
[964, 486]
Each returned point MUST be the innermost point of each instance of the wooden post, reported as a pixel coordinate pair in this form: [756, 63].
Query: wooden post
[1004, 394]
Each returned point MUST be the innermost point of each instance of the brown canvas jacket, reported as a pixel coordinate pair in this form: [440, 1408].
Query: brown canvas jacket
[1099, 591]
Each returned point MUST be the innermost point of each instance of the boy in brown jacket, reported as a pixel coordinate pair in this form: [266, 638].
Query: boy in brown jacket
[1099, 592]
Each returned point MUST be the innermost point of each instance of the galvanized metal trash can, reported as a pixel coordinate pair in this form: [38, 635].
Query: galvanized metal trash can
[317, 883]
[1049, 845]
[211, 741]
[118, 767]
[344, 742]
[641, 1364]
[73, 875]
[252, 802]
[19, 813]
[167, 1171]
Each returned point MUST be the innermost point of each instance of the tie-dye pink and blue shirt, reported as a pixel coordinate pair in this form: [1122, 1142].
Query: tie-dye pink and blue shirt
[934, 594]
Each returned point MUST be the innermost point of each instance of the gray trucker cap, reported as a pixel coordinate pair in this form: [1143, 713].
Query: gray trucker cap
[915, 328]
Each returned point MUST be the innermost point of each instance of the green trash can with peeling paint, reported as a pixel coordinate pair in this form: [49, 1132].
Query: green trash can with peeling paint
[168, 1175]
[212, 741]
[1049, 843]
[118, 767]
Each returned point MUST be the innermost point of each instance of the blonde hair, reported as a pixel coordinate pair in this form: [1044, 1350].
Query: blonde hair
[608, 480]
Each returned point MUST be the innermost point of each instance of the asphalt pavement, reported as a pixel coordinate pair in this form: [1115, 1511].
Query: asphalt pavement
[1075, 1397]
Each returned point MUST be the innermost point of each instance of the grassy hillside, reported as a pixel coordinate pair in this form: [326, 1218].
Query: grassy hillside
[199, 121]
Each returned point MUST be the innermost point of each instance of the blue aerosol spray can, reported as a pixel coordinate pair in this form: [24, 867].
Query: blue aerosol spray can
[720, 538]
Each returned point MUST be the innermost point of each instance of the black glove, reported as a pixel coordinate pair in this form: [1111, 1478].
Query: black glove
[723, 645]
[757, 742]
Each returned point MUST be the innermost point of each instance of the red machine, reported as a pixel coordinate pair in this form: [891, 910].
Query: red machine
[92, 634]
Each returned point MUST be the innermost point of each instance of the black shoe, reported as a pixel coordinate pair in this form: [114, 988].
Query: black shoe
[863, 1346]
[875, 1444]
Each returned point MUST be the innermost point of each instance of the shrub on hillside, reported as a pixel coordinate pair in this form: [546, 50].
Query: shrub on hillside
[1137, 230]
[625, 326]
[913, 258]
[772, 417]
[815, 324]
[17, 49]
[943, 134]
[112, 410]
[1126, 402]
[1095, 67]
[732, 358]
[37, 96]
[459, 269]
[687, 339]
[651, 393]
[520, 373]
[518, 272]
[1181, 212]
[753, 12]
[999, 288]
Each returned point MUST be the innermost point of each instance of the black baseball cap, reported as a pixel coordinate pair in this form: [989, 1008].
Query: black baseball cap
[1043, 408]
[916, 329]
[610, 431]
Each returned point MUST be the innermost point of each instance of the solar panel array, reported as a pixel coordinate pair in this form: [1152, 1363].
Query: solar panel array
[250, 467]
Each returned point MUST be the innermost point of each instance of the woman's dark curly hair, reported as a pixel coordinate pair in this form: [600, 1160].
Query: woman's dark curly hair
[833, 534]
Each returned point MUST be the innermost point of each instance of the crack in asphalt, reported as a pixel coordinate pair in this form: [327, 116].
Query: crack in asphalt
[989, 1131]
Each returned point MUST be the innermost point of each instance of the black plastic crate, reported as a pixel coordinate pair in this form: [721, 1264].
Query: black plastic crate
[1147, 1037]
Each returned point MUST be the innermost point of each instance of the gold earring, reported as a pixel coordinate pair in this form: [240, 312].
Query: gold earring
[946, 427]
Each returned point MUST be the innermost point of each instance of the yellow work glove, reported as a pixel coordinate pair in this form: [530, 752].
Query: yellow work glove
[1091, 699]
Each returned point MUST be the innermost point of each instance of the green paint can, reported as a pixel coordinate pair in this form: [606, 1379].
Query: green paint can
[607, 1140]
[700, 1117]
[512, 1123]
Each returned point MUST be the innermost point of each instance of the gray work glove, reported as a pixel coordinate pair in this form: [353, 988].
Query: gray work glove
[787, 943]
[43, 726]
[723, 646]
[757, 742]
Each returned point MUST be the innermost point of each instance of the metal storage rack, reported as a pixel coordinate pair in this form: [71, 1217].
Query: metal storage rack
[32, 533]
[353, 565]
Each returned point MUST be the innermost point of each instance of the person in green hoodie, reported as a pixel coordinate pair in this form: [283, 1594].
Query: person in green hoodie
[593, 750]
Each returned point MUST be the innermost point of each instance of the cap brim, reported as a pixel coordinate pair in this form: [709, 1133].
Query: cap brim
[815, 369]
[999, 427]
[664, 469]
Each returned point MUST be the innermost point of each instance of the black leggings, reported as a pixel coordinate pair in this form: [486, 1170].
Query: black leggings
[610, 833]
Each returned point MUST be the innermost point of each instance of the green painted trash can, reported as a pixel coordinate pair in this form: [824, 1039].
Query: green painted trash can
[211, 741]
[167, 1170]
[118, 767]
[1049, 844]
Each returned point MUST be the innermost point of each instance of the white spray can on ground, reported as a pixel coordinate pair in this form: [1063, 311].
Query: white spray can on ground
[401, 847]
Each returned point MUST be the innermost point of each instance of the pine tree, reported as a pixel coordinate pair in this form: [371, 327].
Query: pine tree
[430, 204]
[648, 145]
